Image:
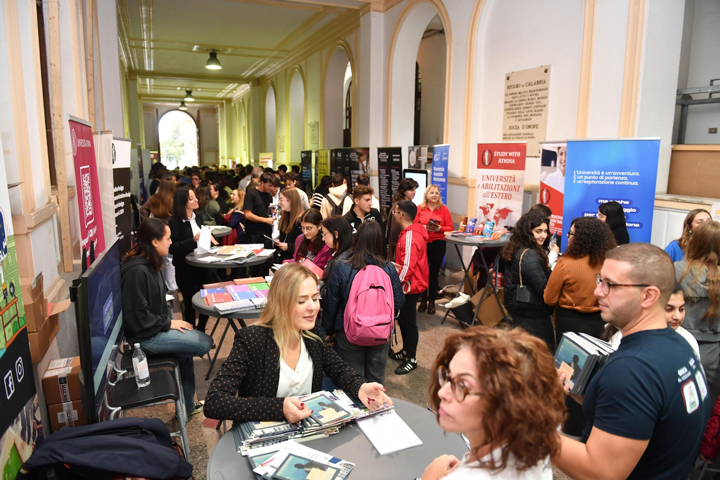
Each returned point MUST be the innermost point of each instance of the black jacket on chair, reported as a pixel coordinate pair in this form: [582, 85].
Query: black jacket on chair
[183, 241]
[534, 277]
[245, 387]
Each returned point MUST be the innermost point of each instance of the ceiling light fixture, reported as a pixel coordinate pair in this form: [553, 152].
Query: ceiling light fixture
[213, 63]
[188, 96]
[182, 106]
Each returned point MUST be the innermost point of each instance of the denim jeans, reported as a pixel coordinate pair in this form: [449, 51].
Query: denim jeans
[367, 361]
[184, 346]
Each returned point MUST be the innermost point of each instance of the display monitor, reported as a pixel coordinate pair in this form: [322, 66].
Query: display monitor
[99, 325]
[421, 177]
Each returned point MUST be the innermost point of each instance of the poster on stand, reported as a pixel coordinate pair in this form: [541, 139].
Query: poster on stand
[88, 189]
[500, 182]
[340, 162]
[417, 157]
[623, 170]
[439, 169]
[359, 163]
[121, 148]
[323, 165]
[266, 160]
[308, 159]
[553, 160]
[389, 173]
[19, 412]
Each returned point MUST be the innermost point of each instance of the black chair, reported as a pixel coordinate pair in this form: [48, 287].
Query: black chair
[164, 387]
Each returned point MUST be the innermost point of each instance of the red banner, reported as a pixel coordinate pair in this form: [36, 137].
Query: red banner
[88, 188]
[500, 182]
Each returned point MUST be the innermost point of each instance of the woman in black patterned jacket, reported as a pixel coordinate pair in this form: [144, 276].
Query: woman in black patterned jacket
[282, 357]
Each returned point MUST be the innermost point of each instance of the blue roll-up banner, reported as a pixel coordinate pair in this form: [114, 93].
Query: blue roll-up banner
[624, 171]
[439, 169]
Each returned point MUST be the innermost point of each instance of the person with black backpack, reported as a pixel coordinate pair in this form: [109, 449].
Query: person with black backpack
[338, 194]
[354, 307]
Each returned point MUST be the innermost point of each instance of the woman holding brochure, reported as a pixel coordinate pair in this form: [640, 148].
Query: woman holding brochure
[311, 246]
[500, 389]
[282, 357]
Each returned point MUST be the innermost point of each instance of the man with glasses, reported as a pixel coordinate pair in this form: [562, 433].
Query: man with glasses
[647, 407]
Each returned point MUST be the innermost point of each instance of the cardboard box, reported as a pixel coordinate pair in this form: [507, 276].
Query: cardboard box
[55, 309]
[32, 288]
[490, 313]
[35, 314]
[40, 341]
[69, 414]
[61, 382]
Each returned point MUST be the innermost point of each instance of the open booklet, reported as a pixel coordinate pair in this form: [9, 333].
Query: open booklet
[580, 356]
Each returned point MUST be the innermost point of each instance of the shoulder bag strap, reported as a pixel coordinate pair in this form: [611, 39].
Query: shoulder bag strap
[520, 266]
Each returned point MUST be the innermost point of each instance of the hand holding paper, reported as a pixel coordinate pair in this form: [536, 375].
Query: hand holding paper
[203, 244]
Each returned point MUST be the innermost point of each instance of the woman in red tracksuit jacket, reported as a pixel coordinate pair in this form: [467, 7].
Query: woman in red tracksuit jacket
[412, 265]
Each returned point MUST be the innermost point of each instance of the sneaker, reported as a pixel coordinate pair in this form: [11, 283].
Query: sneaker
[197, 408]
[406, 367]
[399, 356]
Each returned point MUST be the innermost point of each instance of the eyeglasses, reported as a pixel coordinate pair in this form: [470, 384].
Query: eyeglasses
[459, 391]
[570, 234]
[307, 229]
[606, 286]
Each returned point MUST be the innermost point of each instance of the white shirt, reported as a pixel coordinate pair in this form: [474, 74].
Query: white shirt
[193, 225]
[556, 180]
[470, 471]
[299, 381]
[303, 199]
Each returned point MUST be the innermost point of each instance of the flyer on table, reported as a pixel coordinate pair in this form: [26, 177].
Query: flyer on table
[624, 171]
[500, 182]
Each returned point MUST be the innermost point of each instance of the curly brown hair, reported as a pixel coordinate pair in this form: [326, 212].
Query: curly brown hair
[523, 238]
[522, 403]
[592, 237]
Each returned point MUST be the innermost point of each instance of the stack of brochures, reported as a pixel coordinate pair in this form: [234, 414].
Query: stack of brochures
[290, 460]
[331, 410]
[580, 356]
[238, 295]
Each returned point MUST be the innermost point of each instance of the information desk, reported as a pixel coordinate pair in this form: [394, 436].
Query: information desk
[351, 445]
[194, 260]
[200, 307]
[469, 242]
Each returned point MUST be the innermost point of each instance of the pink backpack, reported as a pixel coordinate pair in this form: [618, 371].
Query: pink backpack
[370, 310]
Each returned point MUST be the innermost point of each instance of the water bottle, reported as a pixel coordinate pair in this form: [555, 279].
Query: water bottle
[140, 365]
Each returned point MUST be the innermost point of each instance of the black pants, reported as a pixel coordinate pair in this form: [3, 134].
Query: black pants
[567, 320]
[262, 270]
[190, 280]
[541, 327]
[435, 255]
[408, 324]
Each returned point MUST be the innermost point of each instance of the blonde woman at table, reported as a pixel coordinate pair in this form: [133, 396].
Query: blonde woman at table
[500, 389]
[283, 357]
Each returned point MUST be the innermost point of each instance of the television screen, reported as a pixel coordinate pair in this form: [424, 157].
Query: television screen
[102, 328]
[421, 177]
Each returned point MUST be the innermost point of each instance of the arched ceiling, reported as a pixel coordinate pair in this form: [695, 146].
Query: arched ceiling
[165, 43]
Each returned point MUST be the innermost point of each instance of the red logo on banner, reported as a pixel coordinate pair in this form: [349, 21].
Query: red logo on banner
[88, 189]
[502, 156]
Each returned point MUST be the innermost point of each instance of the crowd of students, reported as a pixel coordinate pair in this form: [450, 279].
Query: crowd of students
[642, 416]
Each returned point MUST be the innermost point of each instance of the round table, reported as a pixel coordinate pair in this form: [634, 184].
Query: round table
[193, 259]
[351, 445]
[221, 231]
[201, 307]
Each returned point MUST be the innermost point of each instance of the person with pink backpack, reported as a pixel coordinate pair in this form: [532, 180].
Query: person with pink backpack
[363, 294]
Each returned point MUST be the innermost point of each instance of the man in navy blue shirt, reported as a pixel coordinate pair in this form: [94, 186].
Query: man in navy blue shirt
[647, 407]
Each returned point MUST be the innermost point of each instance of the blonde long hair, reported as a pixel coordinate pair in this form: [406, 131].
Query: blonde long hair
[241, 196]
[282, 297]
[424, 203]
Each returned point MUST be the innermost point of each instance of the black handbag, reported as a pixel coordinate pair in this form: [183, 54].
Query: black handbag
[523, 296]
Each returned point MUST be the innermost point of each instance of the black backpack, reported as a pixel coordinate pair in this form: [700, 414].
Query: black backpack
[336, 209]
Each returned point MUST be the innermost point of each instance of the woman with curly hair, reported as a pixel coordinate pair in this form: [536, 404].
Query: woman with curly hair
[695, 218]
[500, 389]
[526, 264]
[571, 289]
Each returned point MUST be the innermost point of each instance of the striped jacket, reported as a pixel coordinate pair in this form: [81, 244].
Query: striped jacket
[411, 255]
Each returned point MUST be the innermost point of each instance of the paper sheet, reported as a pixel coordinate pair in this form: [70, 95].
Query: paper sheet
[388, 433]
[169, 298]
[204, 244]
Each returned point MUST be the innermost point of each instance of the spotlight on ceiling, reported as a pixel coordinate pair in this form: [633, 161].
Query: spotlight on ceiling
[213, 63]
[188, 96]
[182, 106]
